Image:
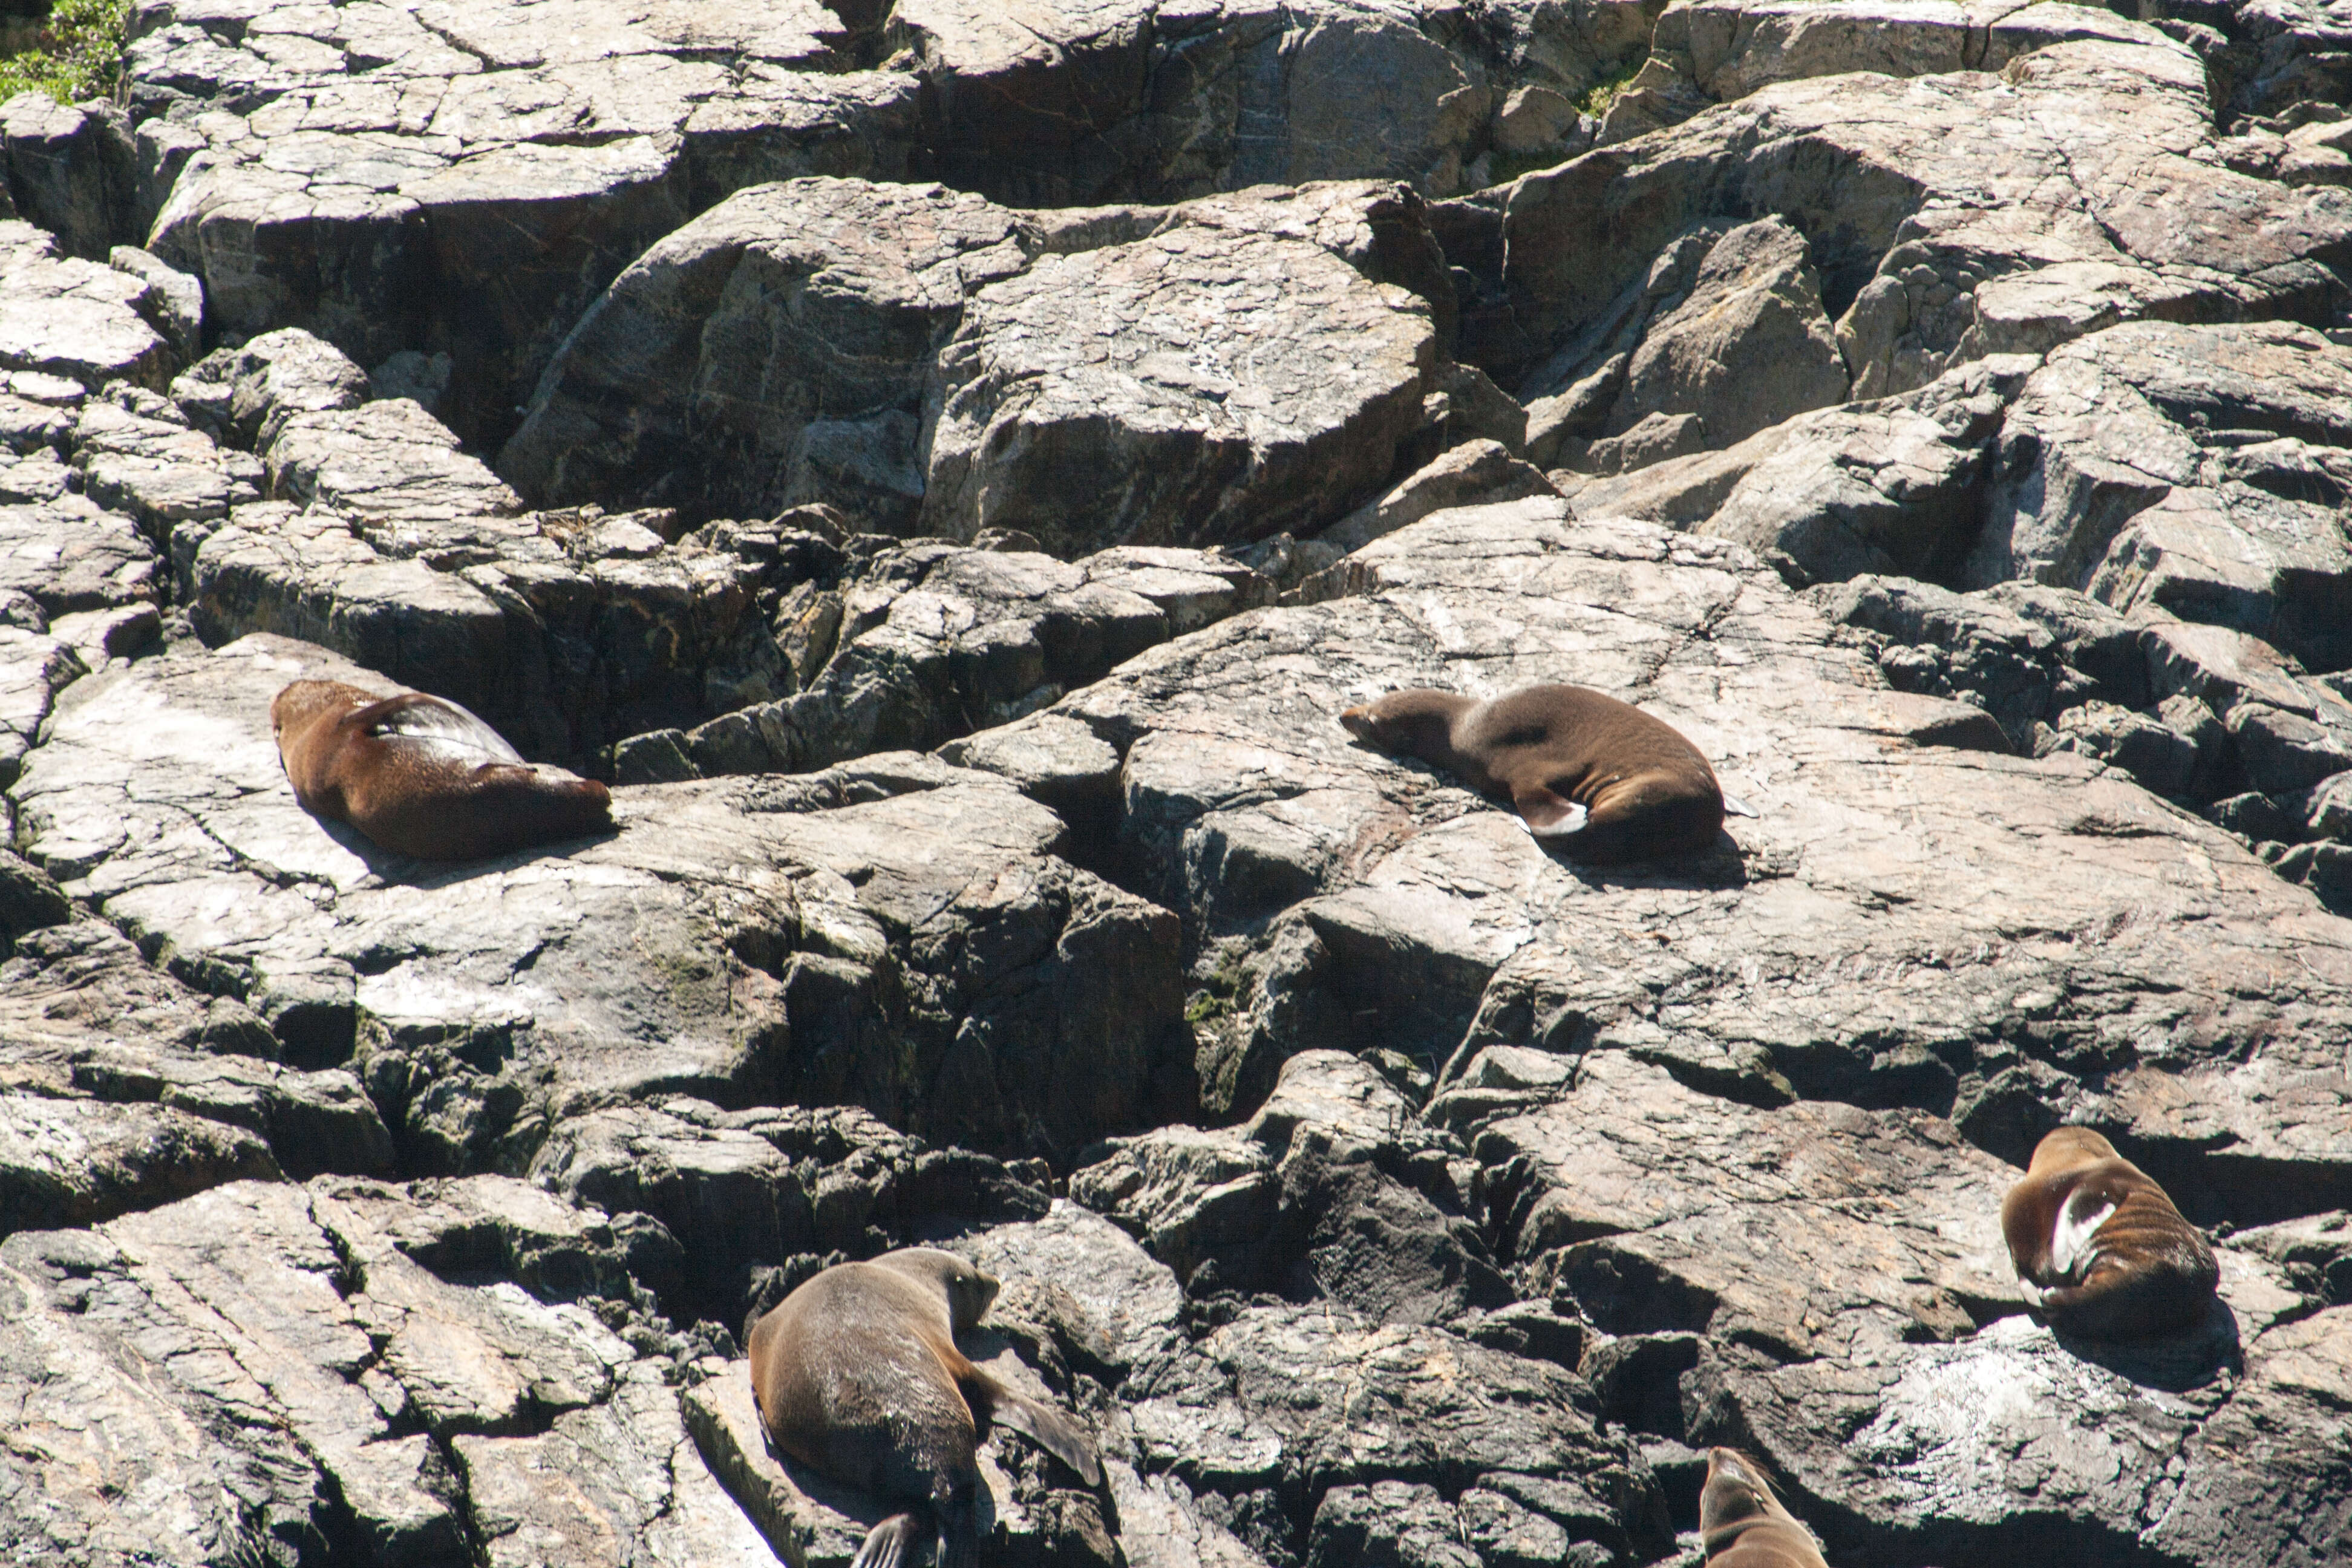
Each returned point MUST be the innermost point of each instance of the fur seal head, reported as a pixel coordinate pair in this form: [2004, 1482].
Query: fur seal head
[1599, 776]
[420, 776]
[856, 1374]
[2099, 1248]
[1742, 1524]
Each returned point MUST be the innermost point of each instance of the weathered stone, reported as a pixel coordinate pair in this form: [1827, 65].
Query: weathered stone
[71, 169]
[663, 957]
[470, 184]
[1474, 472]
[1413, 917]
[79, 1161]
[2195, 468]
[76, 319]
[247, 1371]
[1194, 388]
[929, 640]
[2062, 166]
[697, 378]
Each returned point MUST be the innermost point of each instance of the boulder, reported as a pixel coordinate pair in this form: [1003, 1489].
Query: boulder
[1196, 389]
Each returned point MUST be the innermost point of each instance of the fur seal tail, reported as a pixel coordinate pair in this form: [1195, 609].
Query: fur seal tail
[1040, 1424]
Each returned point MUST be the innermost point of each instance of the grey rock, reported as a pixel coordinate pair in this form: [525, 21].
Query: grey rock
[927, 641]
[177, 306]
[72, 554]
[1195, 388]
[1920, 284]
[864, 921]
[2189, 468]
[1378, 905]
[78, 321]
[71, 169]
[558, 147]
[1474, 472]
[809, 304]
[81, 1162]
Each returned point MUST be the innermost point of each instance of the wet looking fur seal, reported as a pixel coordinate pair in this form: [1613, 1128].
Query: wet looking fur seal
[420, 776]
[1605, 778]
[2100, 1249]
[1743, 1525]
[856, 1374]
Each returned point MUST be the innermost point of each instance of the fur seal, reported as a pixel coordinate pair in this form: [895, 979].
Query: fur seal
[1743, 1525]
[2100, 1250]
[422, 777]
[1615, 783]
[856, 1374]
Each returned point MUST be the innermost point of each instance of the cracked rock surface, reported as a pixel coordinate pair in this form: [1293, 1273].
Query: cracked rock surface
[946, 467]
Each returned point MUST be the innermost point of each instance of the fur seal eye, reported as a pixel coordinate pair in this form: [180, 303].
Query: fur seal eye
[1525, 735]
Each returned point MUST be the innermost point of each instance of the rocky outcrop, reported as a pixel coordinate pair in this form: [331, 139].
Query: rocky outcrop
[649, 977]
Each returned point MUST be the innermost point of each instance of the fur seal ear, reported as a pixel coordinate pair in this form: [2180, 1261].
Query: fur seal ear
[1548, 814]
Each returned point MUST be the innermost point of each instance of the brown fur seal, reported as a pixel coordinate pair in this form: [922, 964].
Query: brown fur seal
[1615, 783]
[1743, 1525]
[2099, 1248]
[858, 1374]
[421, 776]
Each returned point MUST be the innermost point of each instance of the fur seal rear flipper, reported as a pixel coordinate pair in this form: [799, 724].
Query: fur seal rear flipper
[856, 1374]
[420, 776]
[1742, 1524]
[1607, 778]
[2099, 1248]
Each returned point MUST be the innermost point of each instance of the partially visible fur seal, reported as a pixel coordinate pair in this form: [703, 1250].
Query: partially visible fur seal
[1743, 1525]
[422, 777]
[858, 1374]
[2099, 1248]
[1614, 783]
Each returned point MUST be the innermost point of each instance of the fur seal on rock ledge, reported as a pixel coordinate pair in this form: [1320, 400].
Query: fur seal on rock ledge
[1743, 1525]
[2099, 1248]
[856, 1374]
[1616, 783]
[422, 777]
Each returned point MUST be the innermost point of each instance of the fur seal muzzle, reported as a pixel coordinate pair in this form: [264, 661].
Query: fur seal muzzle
[1743, 1525]
[1602, 776]
[2100, 1249]
[422, 777]
[856, 1374]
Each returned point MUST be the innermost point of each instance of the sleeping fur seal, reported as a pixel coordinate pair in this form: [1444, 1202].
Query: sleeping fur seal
[1743, 1525]
[858, 1374]
[2100, 1250]
[422, 777]
[1605, 778]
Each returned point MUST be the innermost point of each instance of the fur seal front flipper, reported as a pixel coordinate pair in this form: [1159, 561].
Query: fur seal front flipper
[1603, 778]
[856, 1374]
[1742, 1522]
[420, 776]
[2099, 1248]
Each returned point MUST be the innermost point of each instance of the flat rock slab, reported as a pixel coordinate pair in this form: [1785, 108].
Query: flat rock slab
[1829, 949]
[159, 797]
[260, 1366]
[1780, 1229]
[1199, 387]
[2013, 1441]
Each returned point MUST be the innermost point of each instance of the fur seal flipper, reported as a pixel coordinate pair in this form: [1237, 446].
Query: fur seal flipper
[1742, 1524]
[856, 1374]
[1602, 776]
[2099, 1248]
[420, 776]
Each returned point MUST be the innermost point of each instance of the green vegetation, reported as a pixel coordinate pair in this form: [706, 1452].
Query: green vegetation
[1220, 994]
[78, 53]
[1600, 94]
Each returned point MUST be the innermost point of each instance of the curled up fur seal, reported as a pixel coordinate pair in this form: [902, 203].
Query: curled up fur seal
[422, 777]
[2100, 1249]
[1600, 777]
[856, 1374]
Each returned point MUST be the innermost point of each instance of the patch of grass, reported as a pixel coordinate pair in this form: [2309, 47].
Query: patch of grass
[1220, 994]
[1603, 93]
[76, 55]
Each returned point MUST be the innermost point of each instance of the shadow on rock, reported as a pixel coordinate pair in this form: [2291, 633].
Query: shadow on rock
[407, 872]
[1723, 865]
[2174, 1363]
